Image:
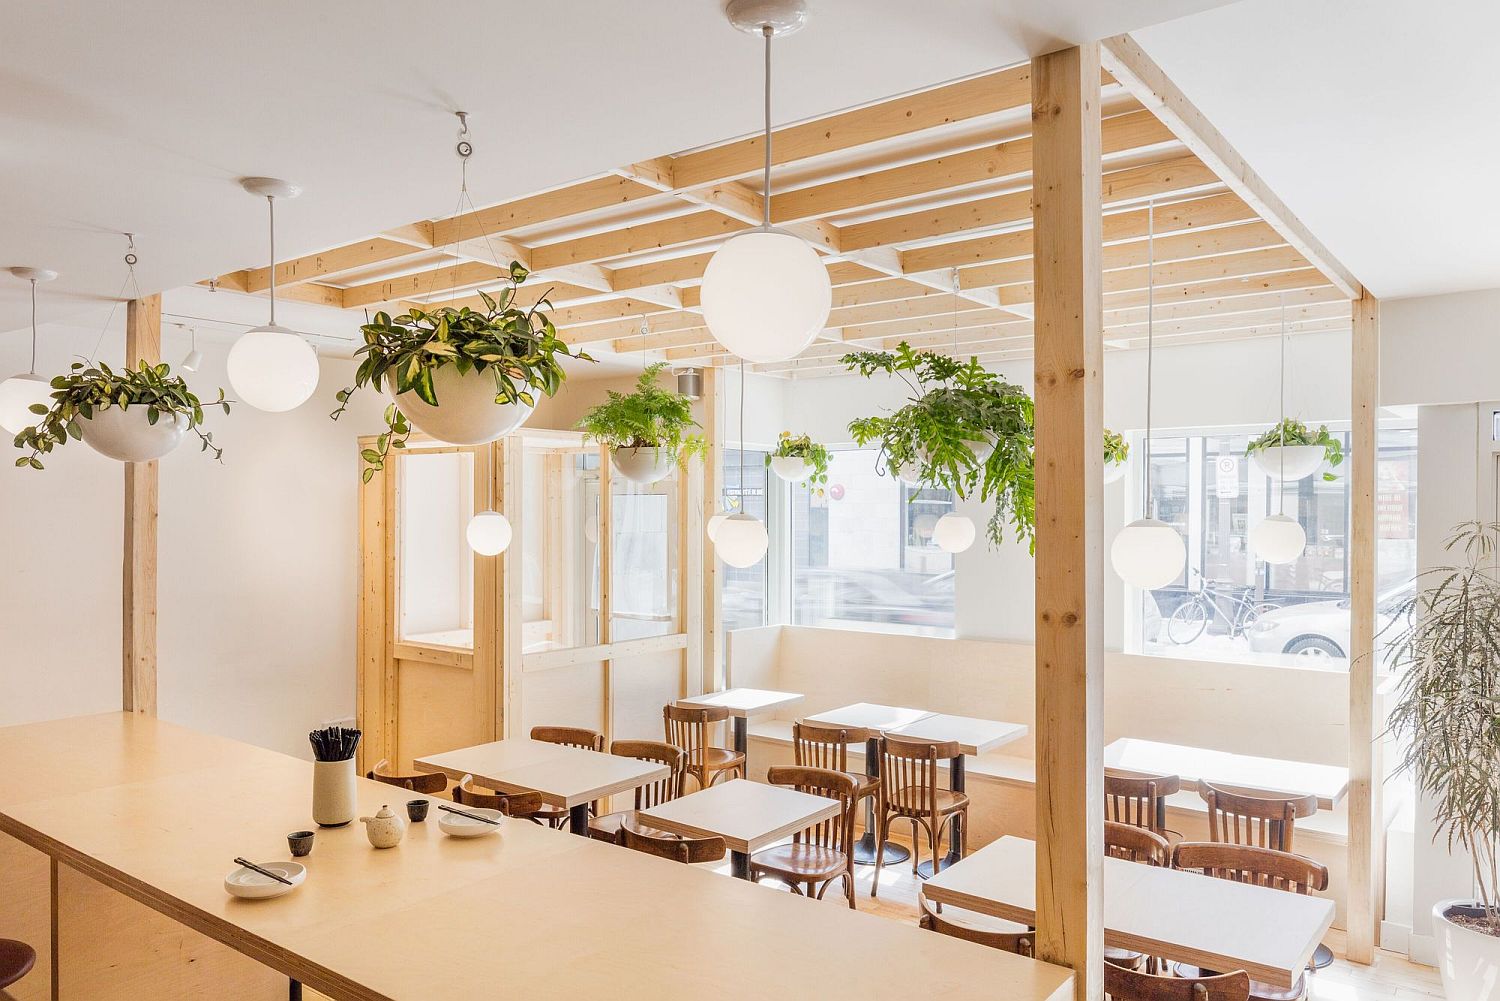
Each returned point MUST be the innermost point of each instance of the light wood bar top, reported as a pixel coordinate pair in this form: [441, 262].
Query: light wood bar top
[1221, 768]
[158, 812]
[974, 736]
[749, 816]
[565, 776]
[1183, 916]
[870, 716]
[744, 701]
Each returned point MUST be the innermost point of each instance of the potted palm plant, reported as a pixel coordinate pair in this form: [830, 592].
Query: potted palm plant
[463, 376]
[133, 415]
[963, 428]
[647, 431]
[1448, 707]
[797, 458]
[1291, 450]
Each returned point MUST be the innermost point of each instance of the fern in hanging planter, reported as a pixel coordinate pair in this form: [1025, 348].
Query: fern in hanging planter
[647, 431]
[963, 428]
[1299, 449]
[463, 375]
[133, 415]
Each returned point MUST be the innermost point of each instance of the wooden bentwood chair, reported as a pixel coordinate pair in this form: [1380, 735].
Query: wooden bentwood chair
[909, 790]
[637, 837]
[1140, 799]
[972, 926]
[687, 727]
[568, 736]
[819, 854]
[1128, 985]
[523, 805]
[826, 745]
[1261, 820]
[1261, 867]
[428, 783]
[1134, 844]
[607, 827]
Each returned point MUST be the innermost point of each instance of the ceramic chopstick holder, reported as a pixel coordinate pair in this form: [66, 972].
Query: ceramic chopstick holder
[334, 788]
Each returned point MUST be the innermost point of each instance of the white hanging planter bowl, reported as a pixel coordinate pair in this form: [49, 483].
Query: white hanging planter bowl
[792, 468]
[1288, 462]
[642, 465]
[1469, 959]
[1113, 470]
[127, 436]
[909, 473]
[467, 413]
[982, 448]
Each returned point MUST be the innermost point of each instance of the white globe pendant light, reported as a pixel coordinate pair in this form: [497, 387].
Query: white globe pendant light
[718, 518]
[272, 368]
[1278, 539]
[488, 533]
[20, 392]
[766, 294]
[954, 533]
[1148, 553]
[741, 541]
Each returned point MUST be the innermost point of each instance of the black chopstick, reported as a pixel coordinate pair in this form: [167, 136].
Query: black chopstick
[466, 813]
[265, 872]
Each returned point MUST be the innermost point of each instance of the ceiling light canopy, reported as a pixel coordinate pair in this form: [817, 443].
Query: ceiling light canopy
[765, 292]
[270, 367]
[20, 392]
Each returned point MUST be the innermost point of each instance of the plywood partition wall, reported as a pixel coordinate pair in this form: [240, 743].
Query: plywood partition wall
[1069, 499]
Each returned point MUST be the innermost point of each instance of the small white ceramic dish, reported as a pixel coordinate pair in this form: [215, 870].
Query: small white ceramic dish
[251, 885]
[462, 827]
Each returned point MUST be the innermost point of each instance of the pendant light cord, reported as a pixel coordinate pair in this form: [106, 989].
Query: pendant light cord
[271, 206]
[1281, 435]
[742, 436]
[33, 326]
[765, 197]
[1150, 344]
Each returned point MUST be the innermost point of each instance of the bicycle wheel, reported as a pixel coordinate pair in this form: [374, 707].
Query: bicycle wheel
[1250, 612]
[1188, 621]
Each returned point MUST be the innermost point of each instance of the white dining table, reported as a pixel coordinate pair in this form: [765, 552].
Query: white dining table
[743, 703]
[1217, 924]
[748, 815]
[1193, 765]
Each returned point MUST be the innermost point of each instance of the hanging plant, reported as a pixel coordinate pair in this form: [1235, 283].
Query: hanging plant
[647, 431]
[1304, 449]
[964, 429]
[134, 415]
[1116, 454]
[462, 375]
[798, 458]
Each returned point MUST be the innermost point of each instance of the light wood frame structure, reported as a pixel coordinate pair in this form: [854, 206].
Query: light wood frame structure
[138, 585]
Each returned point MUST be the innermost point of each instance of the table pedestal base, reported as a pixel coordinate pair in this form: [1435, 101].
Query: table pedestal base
[1322, 956]
[864, 852]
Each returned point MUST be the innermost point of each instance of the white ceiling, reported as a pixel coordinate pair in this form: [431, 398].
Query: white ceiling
[141, 117]
[1376, 121]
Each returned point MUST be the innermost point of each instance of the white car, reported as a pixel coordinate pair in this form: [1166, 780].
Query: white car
[1315, 628]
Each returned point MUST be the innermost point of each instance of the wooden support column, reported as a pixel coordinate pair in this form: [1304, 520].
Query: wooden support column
[1070, 505]
[138, 618]
[711, 677]
[1366, 829]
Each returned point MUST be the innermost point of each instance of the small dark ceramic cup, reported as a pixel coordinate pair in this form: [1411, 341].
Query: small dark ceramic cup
[416, 809]
[300, 842]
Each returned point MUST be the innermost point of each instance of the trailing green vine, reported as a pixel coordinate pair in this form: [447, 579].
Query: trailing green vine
[1293, 432]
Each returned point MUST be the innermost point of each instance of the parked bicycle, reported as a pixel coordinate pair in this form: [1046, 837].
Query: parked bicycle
[1235, 605]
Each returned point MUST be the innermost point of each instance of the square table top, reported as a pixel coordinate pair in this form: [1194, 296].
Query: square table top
[974, 736]
[1183, 916]
[870, 716]
[1222, 768]
[748, 815]
[565, 776]
[744, 701]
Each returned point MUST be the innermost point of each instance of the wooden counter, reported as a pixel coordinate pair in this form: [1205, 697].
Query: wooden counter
[157, 812]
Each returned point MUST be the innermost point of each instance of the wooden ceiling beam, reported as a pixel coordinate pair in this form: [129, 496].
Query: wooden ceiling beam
[548, 207]
[1140, 74]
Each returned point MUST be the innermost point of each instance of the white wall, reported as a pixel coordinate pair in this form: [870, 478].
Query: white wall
[1440, 349]
[258, 563]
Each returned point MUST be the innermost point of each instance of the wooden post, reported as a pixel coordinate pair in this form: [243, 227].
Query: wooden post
[1366, 829]
[138, 591]
[712, 656]
[1069, 498]
[606, 587]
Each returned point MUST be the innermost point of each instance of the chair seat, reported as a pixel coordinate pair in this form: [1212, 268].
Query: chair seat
[607, 827]
[1123, 957]
[715, 758]
[1259, 990]
[800, 862]
[865, 785]
[973, 920]
[16, 960]
[909, 801]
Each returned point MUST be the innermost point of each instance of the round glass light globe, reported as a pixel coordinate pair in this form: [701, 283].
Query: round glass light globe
[488, 533]
[765, 295]
[273, 369]
[954, 533]
[17, 394]
[1278, 539]
[1148, 554]
[712, 528]
[741, 540]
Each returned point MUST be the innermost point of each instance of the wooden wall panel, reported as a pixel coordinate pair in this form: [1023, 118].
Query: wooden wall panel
[439, 710]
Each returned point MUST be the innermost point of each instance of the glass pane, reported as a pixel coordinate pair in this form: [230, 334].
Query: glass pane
[863, 555]
[560, 547]
[744, 592]
[643, 594]
[435, 567]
